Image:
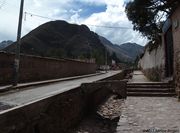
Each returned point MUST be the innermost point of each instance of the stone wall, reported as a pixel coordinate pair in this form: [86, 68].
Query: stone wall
[153, 63]
[175, 18]
[33, 68]
[120, 76]
[58, 113]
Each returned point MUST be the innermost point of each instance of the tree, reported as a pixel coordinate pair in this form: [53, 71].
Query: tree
[147, 15]
[114, 57]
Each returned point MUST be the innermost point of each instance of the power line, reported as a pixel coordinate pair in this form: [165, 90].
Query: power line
[101, 26]
[31, 14]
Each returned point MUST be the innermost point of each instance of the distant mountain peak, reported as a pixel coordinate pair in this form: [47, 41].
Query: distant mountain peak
[125, 52]
[5, 43]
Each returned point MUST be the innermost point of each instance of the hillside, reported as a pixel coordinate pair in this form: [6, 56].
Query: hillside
[4, 44]
[60, 39]
[132, 49]
[125, 52]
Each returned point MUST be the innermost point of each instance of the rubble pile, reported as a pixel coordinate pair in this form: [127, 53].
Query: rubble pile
[111, 109]
[104, 120]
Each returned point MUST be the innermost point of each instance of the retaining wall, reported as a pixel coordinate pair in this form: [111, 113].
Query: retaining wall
[33, 68]
[58, 113]
[121, 76]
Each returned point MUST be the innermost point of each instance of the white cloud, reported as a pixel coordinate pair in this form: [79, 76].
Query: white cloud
[92, 2]
[37, 3]
[75, 18]
[114, 16]
[68, 10]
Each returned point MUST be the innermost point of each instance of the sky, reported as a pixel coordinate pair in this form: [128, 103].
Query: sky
[93, 13]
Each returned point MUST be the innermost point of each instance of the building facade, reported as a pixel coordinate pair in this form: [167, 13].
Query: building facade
[163, 62]
[175, 27]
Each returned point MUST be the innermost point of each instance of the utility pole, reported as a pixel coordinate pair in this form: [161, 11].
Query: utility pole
[106, 59]
[17, 54]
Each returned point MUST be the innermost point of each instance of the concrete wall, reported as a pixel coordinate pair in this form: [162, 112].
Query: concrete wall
[58, 113]
[153, 63]
[175, 18]
[34, 68]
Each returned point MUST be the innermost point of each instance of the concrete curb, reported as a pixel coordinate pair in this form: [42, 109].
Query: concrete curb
[25, 85]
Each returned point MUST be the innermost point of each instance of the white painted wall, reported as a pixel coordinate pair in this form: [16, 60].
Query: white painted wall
[155, 58]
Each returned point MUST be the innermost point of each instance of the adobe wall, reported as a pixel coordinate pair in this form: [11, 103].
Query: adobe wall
[33, 68]
[175, 18]
[153, 63]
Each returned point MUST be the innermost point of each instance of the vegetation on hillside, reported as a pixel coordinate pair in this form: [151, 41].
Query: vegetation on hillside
[59, 39]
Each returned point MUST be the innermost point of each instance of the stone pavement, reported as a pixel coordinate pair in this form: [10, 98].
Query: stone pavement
[138, 76]
[149, 115]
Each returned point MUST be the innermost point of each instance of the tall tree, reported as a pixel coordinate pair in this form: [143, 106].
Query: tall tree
[147, 15]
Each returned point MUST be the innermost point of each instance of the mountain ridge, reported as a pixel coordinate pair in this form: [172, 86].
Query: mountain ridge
[124, 51]
[5, 44]
[59, 39]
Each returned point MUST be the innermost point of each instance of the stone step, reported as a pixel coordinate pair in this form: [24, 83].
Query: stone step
[149, 86]
[147, 83]
[149, 90]
[151, 94]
